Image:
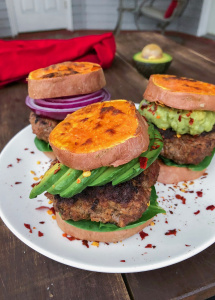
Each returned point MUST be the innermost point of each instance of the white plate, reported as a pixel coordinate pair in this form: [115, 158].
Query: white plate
[195, 232]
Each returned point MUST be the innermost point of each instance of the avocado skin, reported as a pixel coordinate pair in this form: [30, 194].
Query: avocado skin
[149, 68]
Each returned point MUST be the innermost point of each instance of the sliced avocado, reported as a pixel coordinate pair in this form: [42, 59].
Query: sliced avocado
[67, 179]
[50, 177]
[154, 149]
[147, 67]
[81, 183]
[112, 172]
[127, 175]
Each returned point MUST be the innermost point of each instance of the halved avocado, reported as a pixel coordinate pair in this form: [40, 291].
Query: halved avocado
[148, 67]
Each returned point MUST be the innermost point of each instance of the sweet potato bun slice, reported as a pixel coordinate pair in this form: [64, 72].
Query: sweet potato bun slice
[180, 92]
[96, 236]
[65, 79]
[172, 174]
[107, 133]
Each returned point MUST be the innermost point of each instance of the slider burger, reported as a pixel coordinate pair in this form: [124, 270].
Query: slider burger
[102, 183]
[183, 110]
[59, 90]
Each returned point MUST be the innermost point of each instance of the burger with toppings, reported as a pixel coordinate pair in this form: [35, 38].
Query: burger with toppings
[59, 90]
[102, 183]
[183, 111]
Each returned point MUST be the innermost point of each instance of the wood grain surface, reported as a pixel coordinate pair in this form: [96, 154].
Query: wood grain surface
[186, 62]
[26, 274]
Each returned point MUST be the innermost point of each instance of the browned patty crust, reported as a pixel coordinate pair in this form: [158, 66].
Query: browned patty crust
[120, 204]
[187, 149]
[42, 126]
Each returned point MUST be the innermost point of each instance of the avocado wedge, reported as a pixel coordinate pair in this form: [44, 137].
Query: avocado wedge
[147, 67]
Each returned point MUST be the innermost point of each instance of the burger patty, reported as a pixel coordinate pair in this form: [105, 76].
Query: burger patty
[187, 149]
[120, 204]
[42, 126]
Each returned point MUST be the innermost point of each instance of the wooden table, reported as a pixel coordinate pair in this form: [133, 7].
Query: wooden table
[26, 274]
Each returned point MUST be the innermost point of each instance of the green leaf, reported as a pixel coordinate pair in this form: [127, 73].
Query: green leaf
[151, 211]
[201, 166]
[42, 145]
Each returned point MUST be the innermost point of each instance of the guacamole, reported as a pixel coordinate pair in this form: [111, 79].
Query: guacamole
[182, 121]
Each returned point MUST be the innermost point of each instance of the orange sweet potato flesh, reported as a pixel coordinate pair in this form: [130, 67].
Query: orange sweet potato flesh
[65, 79]
[180, 92]
[101, 134]
[64, 69]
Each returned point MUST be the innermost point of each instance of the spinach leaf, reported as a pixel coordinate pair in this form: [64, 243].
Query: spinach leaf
[42, 145]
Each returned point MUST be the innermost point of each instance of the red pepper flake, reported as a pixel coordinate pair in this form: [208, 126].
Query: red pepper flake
[154, 147]
[199, 194]
[171, 212]
[18, 182]
[150, 246]
[166, 221]
[187, 245]
[153, 111]
[42, 222]
[191, 121]
[28, 226]
[85, 243]
[52, 210]
[34, 184]
[188, 114]
[32, 152]
[143, 234]
[26, 149]
[18, 160]
[57, 170]
[210, 207]
[197, 212]
[10, 165]
[171, 231]
[40, 234]
[143, 106]
[42, 207]
[122, 260]
[181, 198]
[179, 118]
[71, 238]
[143, 162]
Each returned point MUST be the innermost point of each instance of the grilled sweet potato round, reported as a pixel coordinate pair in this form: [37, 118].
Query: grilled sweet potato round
[173, 175]
[108, 133]
[106, 237]
[180, 92]
[65, 79]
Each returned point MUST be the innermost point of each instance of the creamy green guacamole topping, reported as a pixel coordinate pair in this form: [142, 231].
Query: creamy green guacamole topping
[182, 121]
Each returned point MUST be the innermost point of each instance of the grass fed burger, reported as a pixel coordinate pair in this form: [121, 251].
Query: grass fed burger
[102, 183]
[58, 90]
[183, 110]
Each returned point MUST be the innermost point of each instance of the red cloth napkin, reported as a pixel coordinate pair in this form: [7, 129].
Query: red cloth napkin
[18, 58]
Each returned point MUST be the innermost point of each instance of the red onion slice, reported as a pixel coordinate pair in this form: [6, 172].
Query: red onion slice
[70, 103]
[58, 110]
[76, 98]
